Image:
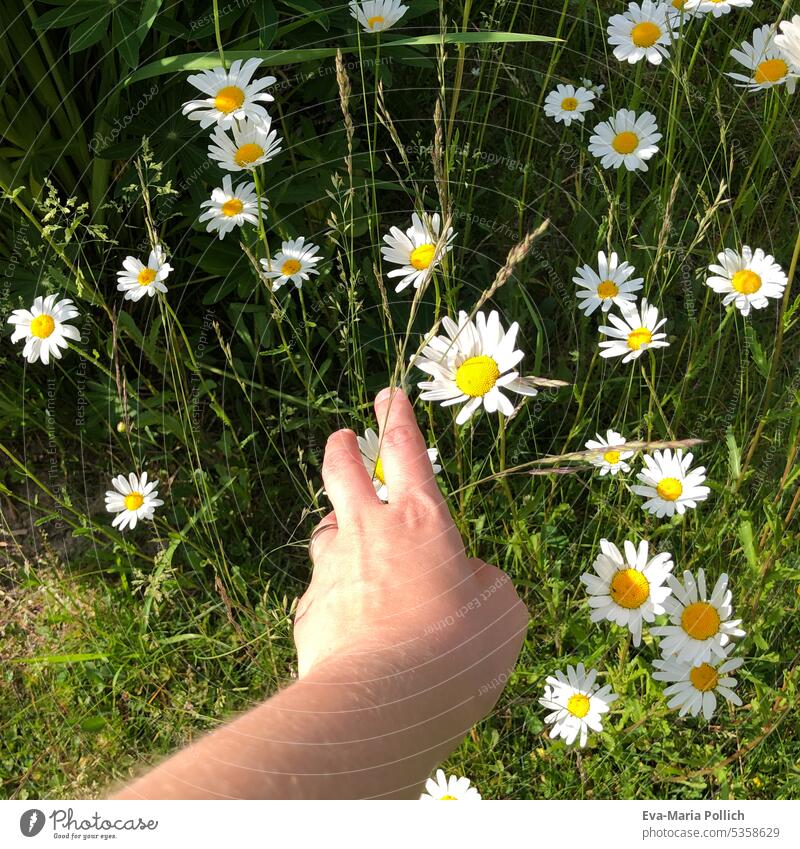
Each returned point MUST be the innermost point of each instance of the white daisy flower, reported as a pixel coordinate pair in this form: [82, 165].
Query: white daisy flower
[44, 328]
[567, 103]
[716, 7]
[132, 498]
[634, 333]
[747, 279]
[419, 250]
[766, 62]
[628, 590]
[694, 688]
[610, 457]
[231, 95]
[597, 88]
[788, 40]
[642, 32]
[230, 207]
[625, 140]
[607, 286]
[472, 363]
[294, 263]
[452, 789]
[138, 279]
[254, 143]
[700, 627]
[377, 15]
[577, 705]
[369, 445]
[677, 11]
[669, 484]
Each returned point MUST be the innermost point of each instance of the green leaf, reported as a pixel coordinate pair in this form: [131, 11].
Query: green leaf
[756, 351]
[58, 658]
[205, 61]
[64, 17]
[734, 455]
[88, 33]
[746, 537]
[147, 18]
[181, 638]
[93, 724]
[312, 9]
[125, 35]
[267, 19]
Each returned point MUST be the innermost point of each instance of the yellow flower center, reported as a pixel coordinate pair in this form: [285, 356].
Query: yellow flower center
[422, 256]
[678, 4]
[637, 338]
[146, 276]
[375, 20]
[747, 282]
[229, 99]
[607, 289]
[645, 34]
[630, 588]
[704, 677]
[232, 207]
[378, 473]
[290, 267]
[670, 489]
[134, 501]
[42, 326]
[700, 620]
[448, 799]
[770, 71]
[477, 375]
[625, 142]
[578, 705]
[569, 104]
[248, 153]
[611, 457]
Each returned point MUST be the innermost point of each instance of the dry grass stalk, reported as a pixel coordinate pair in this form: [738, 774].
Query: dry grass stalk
[514, 258]
[343, 81]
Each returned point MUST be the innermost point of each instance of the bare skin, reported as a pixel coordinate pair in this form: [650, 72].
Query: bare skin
[403, 643]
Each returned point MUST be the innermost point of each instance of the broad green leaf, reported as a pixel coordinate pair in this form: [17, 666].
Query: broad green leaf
[88, 33]
[267, 18]
[147, 17]
[181, 638]
[66, 17]
[204, 61]
[734, 455]
[125, 35]
[312, 9]
[748, 545]
[58, 658]
[756, 351]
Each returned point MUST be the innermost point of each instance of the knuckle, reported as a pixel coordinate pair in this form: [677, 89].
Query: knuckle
[421, 508]
[337, 458]
[400, 435]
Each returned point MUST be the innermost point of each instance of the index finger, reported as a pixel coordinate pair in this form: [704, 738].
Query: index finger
[347, 483]
[407, 467]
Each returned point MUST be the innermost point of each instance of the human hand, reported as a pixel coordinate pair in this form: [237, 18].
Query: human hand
[403, 644]
[394, 578]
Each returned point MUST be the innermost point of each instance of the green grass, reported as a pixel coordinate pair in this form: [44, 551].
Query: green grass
[115, 650]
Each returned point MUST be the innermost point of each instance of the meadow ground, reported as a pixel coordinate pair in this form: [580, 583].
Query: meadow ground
[118, 647]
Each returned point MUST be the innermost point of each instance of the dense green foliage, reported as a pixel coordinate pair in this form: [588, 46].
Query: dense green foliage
[115, 649]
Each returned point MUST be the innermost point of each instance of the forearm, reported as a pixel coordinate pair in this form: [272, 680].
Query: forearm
[355, 727]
